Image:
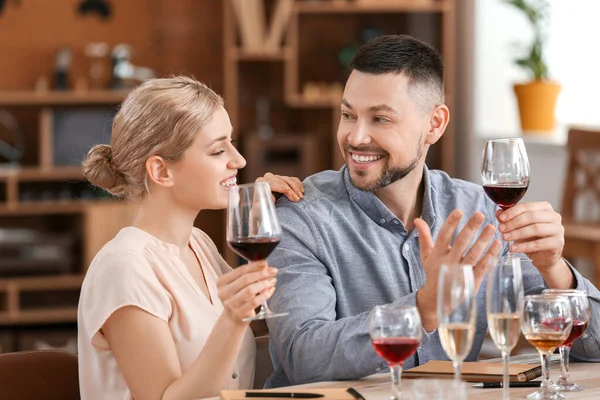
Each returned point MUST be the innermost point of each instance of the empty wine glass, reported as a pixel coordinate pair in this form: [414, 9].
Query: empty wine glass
[546, 325]
[505, 308]
[580, 313]
[395, 334]
[456, 312]
[505, 172]
[253, 229]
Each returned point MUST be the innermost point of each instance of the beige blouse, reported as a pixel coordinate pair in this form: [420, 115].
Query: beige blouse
[137, 269]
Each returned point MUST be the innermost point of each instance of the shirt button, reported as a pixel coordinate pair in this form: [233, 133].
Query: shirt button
[378, 369]
[585, 335]
[382, 221]
[407, 247]
[234, 376]
[396, 222]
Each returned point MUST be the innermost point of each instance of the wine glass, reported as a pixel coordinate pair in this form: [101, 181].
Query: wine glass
[505, 172]
[456, 312]
[546, 325]
[395, 332]
[505, 308]
[580, 313]
[253, 229]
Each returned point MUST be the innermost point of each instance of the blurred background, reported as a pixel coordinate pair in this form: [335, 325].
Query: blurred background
[65, 66]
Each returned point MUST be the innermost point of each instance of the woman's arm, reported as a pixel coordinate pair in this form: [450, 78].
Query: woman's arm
[145, 352]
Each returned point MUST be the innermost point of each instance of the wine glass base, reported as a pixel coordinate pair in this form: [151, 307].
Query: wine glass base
[539, 395]
[265, 315]
[569, 387]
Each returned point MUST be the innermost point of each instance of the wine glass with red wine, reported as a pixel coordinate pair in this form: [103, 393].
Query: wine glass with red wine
[505, 172]
[395, 334]
[580, 313]
[253, 229]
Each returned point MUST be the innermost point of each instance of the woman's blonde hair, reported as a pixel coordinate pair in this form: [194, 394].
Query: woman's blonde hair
[160, 117]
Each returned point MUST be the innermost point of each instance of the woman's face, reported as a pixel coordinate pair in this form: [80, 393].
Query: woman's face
[208, 168]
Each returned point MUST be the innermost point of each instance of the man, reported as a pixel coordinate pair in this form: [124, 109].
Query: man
[364, 235]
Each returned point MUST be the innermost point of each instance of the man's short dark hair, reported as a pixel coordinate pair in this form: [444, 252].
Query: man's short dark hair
[403, 54]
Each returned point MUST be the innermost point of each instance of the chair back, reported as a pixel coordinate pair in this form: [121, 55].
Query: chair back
[264, 365]
[581, 194]
[39, 374]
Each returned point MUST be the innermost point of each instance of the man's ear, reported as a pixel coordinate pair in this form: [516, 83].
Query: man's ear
[440, 116]
[158, 171]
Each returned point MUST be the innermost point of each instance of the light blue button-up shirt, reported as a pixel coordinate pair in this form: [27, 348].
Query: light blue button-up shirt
[344, 252]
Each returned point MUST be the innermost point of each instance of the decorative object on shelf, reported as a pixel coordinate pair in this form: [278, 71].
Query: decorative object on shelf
[345, 55]
[97, 53]
[62, 68]
[264, 128]
[12, 141]
[537, 97]
[255, 36]
[102, 8]
[125, 74]
[319, 91]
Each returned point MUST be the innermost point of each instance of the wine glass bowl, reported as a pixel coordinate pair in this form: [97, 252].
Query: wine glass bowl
[546, 325]
[395, 332]
[580, 314]
[456, 312]
[253, 229]
[505, 308]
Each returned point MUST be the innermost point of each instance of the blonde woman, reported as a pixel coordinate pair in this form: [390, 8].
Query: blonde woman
[160, 312]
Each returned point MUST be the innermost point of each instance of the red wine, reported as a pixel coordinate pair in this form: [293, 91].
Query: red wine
[506, 195]
[577, 330]
[395, 350]
[254, 249]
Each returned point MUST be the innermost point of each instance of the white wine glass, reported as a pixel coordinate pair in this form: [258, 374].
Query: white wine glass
[580, 314]
[546, 325]
[505, 172]
[253, 229]
[505, 308]
[456, 312]
[395, 332]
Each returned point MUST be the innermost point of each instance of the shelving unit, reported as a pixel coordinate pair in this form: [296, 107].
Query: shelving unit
[29, 203]
[316, 32]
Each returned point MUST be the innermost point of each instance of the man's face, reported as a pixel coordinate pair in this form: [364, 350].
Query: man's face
[382, 129]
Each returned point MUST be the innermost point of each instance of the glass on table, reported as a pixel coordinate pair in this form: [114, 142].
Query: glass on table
[580, 314]
[395, 332]
[546, 325]
[505, 308]
[456, 312]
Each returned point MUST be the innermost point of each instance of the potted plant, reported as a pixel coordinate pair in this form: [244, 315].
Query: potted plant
[537, 97]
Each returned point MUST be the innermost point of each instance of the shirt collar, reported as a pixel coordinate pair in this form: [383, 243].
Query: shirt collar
[378, 212]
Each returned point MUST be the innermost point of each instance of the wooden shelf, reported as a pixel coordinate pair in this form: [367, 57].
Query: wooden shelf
[374, 6]
[50, 98]
[241, 55]
[48, 208]
[31, 174]
[58, 315]
[298, 101]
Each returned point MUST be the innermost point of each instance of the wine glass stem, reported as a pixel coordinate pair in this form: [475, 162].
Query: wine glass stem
[264, 308]
[396, 371]
[505, 383]
[565, 378]
[457, 373]
[545, 385]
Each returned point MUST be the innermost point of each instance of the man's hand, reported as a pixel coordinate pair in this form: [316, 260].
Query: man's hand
[443, 252]
[537, 231]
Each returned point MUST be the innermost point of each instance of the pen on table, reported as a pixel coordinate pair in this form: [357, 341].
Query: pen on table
[355, 394]
[285, 395]
[498, 385]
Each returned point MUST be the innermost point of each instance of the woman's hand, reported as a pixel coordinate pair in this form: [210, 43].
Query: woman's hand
[291, 187]
[242, 290]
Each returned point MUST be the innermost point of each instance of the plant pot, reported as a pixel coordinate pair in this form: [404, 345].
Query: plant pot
[537, 104]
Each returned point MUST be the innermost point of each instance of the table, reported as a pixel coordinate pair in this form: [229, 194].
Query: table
[377, 387]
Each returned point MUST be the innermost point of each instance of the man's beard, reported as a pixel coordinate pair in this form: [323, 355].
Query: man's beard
[388, 175]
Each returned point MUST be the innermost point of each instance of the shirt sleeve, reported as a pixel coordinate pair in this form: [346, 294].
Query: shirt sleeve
[118, 280]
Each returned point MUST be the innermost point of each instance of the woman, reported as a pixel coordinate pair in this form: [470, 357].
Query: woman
[160, 312]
